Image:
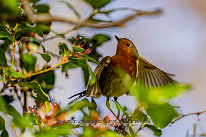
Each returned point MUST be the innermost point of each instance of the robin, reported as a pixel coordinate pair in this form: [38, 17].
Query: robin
[109, 81]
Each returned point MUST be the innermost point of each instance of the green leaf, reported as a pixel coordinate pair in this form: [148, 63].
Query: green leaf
[48, 107]
[72, 8]
[68, 65]
[55, 131]
[3, 106]
[2, 123]
[166, 93]
[97, 4]
[42, 8]
[44, 27]
[100, 38]
[13, 73]
[29, 62]
[45, 56]
[138, 115]
[9, 6]
[156, 131]
[42, 96]
[159, 94]
[90, 59]
[161, 114]
[63, 50]
[46, 80]
[117, 107]
[78, 49]
[80, 105]
[4, 133]
[27, 28]
[83, 63]
[3, 35]
[18, 120]
[93, 103]
[3, 61]
[13, 112]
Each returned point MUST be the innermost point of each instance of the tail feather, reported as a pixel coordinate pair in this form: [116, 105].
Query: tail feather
[81, 94]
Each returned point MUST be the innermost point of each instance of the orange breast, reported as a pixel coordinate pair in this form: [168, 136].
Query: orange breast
[128, 63]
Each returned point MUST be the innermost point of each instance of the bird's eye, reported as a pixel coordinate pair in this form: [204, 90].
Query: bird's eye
[128, 44]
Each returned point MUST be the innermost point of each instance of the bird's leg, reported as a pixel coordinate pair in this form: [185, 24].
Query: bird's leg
[108, 106]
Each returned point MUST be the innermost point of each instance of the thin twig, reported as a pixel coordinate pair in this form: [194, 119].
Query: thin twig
[62, 33]
[12, 63]
[182, 116]
[47, 18]
[107, 24]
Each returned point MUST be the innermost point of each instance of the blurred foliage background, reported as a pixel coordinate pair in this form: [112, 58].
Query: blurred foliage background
[48, 50]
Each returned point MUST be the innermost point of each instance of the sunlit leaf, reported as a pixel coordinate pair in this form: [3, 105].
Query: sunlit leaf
[9, 6]
[13, 73]
[159, 94]
[78, 49]
[61, 130]
[80, 105]
[48, 107]
[161, 114]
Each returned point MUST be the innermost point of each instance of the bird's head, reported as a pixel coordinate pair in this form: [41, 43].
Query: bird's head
[126, 47]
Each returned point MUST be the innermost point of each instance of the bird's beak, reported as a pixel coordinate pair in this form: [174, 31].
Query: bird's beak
[116, 37]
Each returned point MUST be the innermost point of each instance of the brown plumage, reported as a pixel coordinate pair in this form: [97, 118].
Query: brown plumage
[110, 82]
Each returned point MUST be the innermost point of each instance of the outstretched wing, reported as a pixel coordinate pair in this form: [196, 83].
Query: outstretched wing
[95, 89]
[150, 75]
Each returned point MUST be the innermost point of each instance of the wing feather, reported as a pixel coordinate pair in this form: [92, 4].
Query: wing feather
[95, 89]
[150, 75]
